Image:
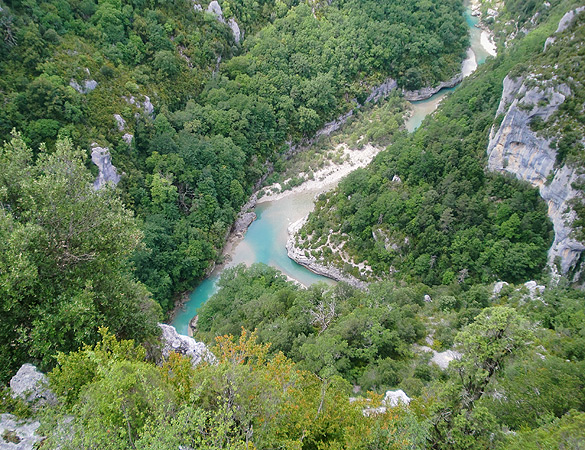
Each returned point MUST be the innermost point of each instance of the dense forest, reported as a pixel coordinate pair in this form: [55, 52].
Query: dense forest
[194, 116]
[191, 135]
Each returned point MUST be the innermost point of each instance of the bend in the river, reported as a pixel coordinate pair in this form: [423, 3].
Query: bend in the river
[266, 238]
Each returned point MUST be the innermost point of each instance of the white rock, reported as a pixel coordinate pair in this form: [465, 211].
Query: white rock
[185, 345]
[382, 91]
[88, 86]
[549, 41]
[32, 386]
[516, 149]
[534, 289]
[394, 398]
[568, 18]
[215, 9]
[107, 172]
[443, 359]
[145, 105]
[428, 92]
[498, 287]
[428, 298]
[121, 122]
[235, 29]
[23, 431]
[128, 138]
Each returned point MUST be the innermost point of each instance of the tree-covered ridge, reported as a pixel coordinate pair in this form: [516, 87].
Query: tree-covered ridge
[342, 331]
[521, 363]
[64, 251]
[427, 210]
[190, 163]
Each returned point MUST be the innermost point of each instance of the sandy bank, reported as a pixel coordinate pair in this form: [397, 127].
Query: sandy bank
[327, 177]
[487, 43]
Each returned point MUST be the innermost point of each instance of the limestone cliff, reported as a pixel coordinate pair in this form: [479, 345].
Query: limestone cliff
[515, 148]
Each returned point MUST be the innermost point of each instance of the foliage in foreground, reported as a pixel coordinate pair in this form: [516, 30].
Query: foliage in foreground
[522, 365]
[245, 399]
[64, 250]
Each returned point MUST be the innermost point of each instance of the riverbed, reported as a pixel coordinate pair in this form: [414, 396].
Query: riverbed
[266, 238]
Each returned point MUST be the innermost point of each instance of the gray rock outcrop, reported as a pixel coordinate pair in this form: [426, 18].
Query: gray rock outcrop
[18, 434]
[107, 172]
[128, 138]
[243, 222]
[31, 386]
[568, 18]
[235, 29]
[441, 359]
[382, 91]
[395, 398]
[146, 106]
[245, 217]
[121, 122]
[85, 88]
[215, 9]
[514, 148]
[498, 286]
[564, 23]
[535, 290]
[184, 345]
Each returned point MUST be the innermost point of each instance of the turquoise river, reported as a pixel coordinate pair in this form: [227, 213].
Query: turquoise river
[266, 238]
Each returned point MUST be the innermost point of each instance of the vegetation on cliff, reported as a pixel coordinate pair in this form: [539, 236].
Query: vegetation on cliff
[426, 210]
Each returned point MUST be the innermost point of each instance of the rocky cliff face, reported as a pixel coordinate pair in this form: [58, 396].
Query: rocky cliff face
[516, 149]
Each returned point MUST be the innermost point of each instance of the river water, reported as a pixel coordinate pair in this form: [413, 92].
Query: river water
[266, 238]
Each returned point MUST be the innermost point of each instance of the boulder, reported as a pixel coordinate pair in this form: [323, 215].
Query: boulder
[30, 385]
[107, 171]
[17, 434]
[394, 398]
[184, 345]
